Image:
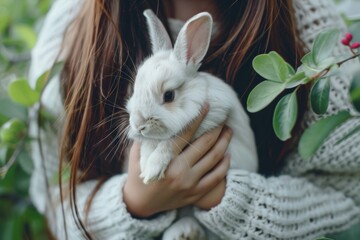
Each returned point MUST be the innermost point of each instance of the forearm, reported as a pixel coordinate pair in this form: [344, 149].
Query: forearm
[278, 208]
[108, 217]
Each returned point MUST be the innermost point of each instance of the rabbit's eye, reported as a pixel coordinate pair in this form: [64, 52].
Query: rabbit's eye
[169, 96]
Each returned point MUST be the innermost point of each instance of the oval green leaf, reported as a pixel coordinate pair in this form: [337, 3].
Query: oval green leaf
[26, 162]
[263, 94]
[324, 44]
[41, 81]
[297, 79]
[315, 135]
[319, 95]
[355, 91]
[285, 116]
[12, 110]
[48, 75]
[26, 34]
[281, 67]
[271, 66]
[12, 131]
[21, 92]
[308, 60]
[291, 69]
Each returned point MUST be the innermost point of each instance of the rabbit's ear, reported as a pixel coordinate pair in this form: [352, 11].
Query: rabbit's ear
[159, 37]
[193, 39]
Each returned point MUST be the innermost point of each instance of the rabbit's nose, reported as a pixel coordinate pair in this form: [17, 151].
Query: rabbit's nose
[141, 128]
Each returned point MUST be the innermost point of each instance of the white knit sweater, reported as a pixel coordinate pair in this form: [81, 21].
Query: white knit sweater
[310, 198]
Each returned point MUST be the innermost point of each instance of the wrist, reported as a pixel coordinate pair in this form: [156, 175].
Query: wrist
[134, 204]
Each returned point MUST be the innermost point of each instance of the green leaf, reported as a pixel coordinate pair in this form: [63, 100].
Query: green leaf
[291, 69]
[41, 81]
[271, 66]
[297, 79]
[47, 75]
[263, 94]
[285, 116]
[3, 119]
[310, 70]
[355, 91]
[349, 134]
[26, 34]
[308, 66]
[3, 152]
[13, 228]
[36, 223]
[281, 67]
[308, 60]
[21, 92]
[12, 131]
[4, 20]
[44, 6]
[324, 44]
[319, 95]
[354, 28]
[351, 233]
[12, 110]
[315, 135]
[25, 162]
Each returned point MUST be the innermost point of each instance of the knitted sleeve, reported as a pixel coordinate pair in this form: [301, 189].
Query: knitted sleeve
[312, 197]
[108, 217]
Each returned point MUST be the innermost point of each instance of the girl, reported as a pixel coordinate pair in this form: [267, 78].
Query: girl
[102, 43]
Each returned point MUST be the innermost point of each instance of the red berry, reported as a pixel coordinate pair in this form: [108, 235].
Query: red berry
[355, 45]
[348, 36]
[345, 41]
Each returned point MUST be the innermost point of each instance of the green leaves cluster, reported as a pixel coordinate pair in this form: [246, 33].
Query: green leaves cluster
[19, 22]
[279, 75]
[316, 66]
[15, 161]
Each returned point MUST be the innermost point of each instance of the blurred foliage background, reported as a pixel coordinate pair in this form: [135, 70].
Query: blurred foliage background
[20, 21]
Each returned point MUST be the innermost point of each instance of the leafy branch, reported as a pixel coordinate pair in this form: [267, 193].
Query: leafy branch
[19, 147]
[326, 70]
[316, 68]
[14, 132]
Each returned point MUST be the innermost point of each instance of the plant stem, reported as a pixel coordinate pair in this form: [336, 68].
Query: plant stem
[326, 70]
[4, 169]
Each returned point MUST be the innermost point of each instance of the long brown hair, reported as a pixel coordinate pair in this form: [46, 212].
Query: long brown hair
[111, 41]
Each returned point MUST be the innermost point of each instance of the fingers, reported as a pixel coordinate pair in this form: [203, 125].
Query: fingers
[180, 142]
[215, 176]
[195, 151]
[215, 154]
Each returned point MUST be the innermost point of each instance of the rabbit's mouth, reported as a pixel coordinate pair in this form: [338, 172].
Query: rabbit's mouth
[150, 132]
[156, 134]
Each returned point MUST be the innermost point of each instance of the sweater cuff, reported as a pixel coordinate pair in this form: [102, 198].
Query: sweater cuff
[220, 218]
[109, 210]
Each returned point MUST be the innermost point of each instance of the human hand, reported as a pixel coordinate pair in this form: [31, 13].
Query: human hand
[195, 173]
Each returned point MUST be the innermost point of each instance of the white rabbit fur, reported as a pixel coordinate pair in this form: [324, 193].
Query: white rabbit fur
[154, 122]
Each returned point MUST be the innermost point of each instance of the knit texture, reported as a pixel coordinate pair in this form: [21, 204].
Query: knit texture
[309, 199]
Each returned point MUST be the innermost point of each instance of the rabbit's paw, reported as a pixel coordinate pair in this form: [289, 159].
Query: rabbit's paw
[186, 228]
[153, 173]
[154, 170]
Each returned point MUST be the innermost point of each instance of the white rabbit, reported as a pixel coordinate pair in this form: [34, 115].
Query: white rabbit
[169, 93]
